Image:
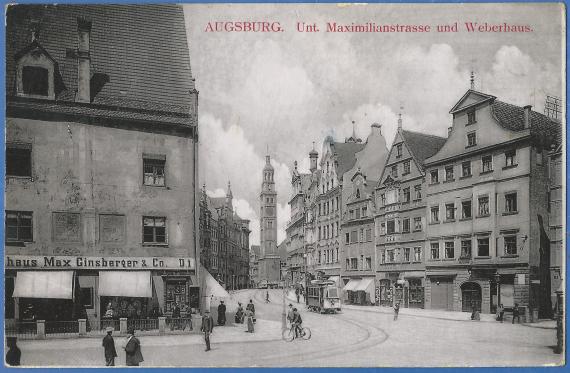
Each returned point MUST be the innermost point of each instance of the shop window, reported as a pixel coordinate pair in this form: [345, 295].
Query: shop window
[434, 250]
[449, 173]
[487, 163]
[18, 226]
[511, 202]
[9, 301]
[449, 212]
[86, 296]
[484, 206]
[417, 224]
[483, 246]
[466, 209]
[35, 80]
[510, 158]
[406, 195]
[510, 245]
[176, 293]
[417, 254]
[406, 167]
[406, 225]
[154, 230]
[19, 160]
[435, 214]
[153, 167]
[466, 169]
[466, 249]
[407, 254]
[418, 192]
[434, 175]
[471, 139]
[449, 250]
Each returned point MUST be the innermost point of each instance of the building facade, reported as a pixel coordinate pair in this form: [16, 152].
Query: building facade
[101, 159]
[487, 209]
[400, 220]
[254, 254]
[556, 221]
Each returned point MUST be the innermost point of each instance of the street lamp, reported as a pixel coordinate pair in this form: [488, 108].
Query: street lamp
[498, 286]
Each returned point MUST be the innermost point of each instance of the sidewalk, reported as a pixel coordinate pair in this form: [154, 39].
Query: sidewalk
[433, 314]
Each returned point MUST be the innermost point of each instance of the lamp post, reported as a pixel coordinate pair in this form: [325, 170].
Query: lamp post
[498, 286]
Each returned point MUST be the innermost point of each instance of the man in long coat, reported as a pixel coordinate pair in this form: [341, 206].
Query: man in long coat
[109, 346]
[222, 313]
[133, 349]
[207, 328]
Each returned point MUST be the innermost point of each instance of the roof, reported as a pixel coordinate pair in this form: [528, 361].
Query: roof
[132, 65]
[422, 145]
[346, 155]
[541, 127]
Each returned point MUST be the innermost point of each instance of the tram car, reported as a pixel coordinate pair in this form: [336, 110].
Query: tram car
[323, 297]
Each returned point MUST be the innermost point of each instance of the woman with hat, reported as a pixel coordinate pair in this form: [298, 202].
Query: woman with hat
[109, 346]
[133, 349]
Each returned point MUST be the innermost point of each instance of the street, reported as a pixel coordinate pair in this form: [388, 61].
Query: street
[352, 338]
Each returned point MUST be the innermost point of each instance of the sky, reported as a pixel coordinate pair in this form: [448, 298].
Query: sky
[283, 91]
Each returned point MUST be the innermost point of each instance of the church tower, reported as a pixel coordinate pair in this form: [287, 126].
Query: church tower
[268, 211]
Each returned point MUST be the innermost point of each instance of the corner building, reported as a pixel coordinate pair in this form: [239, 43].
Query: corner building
[487, 209]
[101, 163]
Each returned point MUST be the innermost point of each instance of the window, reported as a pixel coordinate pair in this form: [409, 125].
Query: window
[450, 250]
[539, 157]
[347, 263]
[510, 158]
[358, 213]
[369, 235]
[435, 214]
[382, 228]
[417, 224]
[406, 167]
[18, 226]
[154, 230]
[383, 258]
[368, 265]
[364, 211]
[449, 211]
[353, 263]
[487, 163]
[471, 139]
[418, 192]
[269, 224]
[353, 237]
[389, 256]
[435, 250]
[357, 193]
[510, 245]
[405, 225]
[399, 150]
[417, 254]
[434, 174]
[466, 209]
[483, 246]
[407, 254]
[484, 206]
[466, 249]
[391, 226]
[382, 199]
[154, 171]
[471, 117]
[406, 193]
[86, 296]
[392, 196]
[19, 160]
[466, 169]
[449, 173]
[351, 214]
[319, 233]
[511, 202]
[395, 170]
[35, 80]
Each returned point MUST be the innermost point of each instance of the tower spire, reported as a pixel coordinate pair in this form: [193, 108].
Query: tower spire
[353, 130]
[400, 117]
[472, 80]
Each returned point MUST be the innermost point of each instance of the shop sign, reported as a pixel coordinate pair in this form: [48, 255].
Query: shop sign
[97, 262]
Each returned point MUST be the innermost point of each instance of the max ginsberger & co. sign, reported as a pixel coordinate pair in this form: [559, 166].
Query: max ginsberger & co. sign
[96, 262]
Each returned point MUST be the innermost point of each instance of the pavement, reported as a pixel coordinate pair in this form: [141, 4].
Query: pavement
[435, 314]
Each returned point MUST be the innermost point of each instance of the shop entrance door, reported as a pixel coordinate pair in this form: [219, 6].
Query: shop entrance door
[442, 293]
[470, 296]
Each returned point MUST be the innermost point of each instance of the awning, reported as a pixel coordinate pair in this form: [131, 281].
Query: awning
[213, 288]
[125, 284]
[44, 284]
[413, 274]
[159, 290]
[364, 284]
[351, 285]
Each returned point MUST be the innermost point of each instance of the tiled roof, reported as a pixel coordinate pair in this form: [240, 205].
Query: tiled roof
[140, 65]
[541, 127]
[346, 155]
[422, 145]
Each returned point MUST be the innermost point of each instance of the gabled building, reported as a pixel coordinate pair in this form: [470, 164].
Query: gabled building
[487, 209]
[400, 219]
[101, 155]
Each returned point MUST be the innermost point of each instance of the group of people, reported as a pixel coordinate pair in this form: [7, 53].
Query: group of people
[131, 345]
[501, 313]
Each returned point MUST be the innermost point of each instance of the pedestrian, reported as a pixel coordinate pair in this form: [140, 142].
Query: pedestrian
[207, 328]
[109, 347]
[249, 321]
[500, 312]
[239, 314]
[222, 313]
[250, 306]
[396, 310]
[133, 349]
[297, 293]
[175, 318]
[267, 296]
[474, 312]
[290, 314]
[14, 354]
[516, 313]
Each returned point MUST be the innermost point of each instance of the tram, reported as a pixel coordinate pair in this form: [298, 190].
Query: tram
[322, 296]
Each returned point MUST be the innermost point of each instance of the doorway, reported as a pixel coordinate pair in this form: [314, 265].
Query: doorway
[470, 296]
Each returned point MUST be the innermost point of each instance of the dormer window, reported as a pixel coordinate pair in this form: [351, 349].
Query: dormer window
[35, 72]
[35, 80]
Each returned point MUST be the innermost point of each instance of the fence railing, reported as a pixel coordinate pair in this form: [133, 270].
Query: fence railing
[22, 329]
[179, 323]
[143, 324]
[61, 328]
[103, 324]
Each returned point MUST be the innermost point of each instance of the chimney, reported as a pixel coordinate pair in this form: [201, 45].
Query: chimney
[83, 61]
[527, 116]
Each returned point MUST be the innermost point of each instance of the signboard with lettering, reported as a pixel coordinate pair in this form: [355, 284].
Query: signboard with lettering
[97, 262]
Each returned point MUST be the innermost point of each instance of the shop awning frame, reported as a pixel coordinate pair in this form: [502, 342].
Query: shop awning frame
[135, 284]
[351, 285]
[44, 284]
[364, 284]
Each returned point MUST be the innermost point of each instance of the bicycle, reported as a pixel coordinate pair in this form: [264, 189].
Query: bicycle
[289, 335]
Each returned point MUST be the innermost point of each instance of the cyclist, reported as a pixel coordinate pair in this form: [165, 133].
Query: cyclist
[297, 323]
